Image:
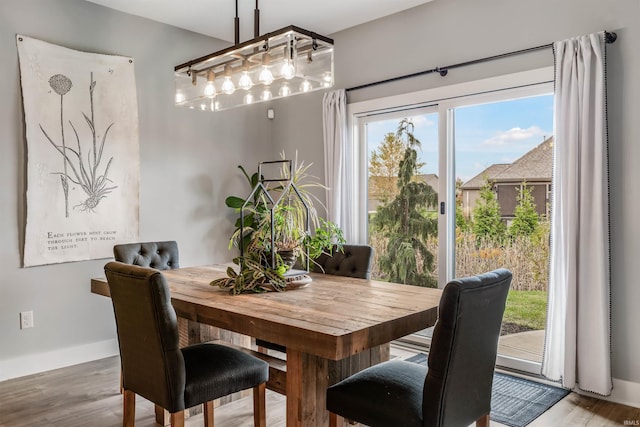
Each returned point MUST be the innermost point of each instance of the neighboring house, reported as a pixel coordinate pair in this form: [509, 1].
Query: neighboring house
[381, 186]
[534, 168]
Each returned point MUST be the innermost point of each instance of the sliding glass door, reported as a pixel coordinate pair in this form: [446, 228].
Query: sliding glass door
[477, 199]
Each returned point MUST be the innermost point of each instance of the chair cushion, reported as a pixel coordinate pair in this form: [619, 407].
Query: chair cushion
[214, 370]
[384, 395]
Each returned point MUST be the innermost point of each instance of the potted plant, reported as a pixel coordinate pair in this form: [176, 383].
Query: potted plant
[275, 236]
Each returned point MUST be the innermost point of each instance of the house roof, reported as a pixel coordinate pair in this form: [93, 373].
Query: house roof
[534, 165]
[429, 178]
[487, 174]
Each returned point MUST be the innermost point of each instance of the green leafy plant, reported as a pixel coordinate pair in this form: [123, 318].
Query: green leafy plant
[297, 229]
[253, 277]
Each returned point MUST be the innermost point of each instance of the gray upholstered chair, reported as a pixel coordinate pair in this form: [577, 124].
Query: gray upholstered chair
[455, 389]
[158, 255]
[153, 365]
[352, 261]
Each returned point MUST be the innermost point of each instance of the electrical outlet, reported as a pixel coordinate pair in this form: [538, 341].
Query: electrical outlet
[26, 319]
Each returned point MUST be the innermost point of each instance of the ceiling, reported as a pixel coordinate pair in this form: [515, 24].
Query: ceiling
[215, 17]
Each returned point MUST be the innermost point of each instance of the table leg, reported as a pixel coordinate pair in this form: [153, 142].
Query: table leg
[308, 377]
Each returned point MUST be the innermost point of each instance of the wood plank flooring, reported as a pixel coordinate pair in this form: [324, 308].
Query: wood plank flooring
[87, 395]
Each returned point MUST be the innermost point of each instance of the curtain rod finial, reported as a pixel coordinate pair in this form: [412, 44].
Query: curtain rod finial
[610, 37]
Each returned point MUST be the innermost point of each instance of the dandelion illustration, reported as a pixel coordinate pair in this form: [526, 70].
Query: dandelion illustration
[93, 181]
[62, 85]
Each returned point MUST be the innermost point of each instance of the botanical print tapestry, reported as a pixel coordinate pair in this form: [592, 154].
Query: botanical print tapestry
[81, 119]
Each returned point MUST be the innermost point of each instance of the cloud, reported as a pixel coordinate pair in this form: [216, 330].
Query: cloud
[422, 121]
[515, 135]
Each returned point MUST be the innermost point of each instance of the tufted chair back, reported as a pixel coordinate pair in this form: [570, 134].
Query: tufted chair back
[353, 261]
[152, 363]
[457, 389]
[158, 255]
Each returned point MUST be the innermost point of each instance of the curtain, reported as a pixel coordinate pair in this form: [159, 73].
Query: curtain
[338, 162]
[577, 349]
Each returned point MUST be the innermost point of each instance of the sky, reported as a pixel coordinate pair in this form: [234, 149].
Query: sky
[485, 134]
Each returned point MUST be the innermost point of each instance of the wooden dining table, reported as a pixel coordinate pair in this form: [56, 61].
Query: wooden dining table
[332, 327]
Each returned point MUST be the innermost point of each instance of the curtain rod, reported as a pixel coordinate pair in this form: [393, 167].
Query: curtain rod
[609, 37]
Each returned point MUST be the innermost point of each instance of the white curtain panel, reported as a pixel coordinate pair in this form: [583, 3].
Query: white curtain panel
[337, 162]
[577, 349]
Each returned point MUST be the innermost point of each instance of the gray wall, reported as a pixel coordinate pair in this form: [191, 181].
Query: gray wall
[451, 31]
[187, 166]
[188, 160]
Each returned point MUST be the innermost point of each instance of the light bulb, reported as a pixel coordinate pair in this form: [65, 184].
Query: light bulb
[326, 80]
[180, 98]
[245, 81]
[210, 89]
[203, 107]
[248, 98]
[305, 86]
[285, 90]
[288, 70]
[266, 76]
[227, 85]
[266, 95]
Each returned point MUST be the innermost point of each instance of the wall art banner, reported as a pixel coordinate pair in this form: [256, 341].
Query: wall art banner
[83, 163]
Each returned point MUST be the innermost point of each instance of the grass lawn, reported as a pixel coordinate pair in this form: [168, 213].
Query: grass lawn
[527, 308]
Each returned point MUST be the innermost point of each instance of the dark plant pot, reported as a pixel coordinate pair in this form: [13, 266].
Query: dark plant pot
[288, 257]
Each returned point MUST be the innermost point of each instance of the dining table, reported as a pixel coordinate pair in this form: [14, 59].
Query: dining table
[332, 327]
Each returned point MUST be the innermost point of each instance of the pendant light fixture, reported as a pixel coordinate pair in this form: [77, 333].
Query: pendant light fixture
[279, 64]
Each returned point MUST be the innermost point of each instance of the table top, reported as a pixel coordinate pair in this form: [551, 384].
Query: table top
[333, 317]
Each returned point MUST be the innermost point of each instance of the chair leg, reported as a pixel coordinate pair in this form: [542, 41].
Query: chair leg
[129, 409]
[483, 421]
[177, 419]
[208, 414]
[162, 416]
[259, 405]
[333, 419]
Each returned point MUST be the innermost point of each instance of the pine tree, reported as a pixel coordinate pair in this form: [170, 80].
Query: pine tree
[406, 258]
[526, 218]
[486, 216]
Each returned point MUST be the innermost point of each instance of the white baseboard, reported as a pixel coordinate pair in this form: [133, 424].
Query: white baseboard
[624, 392]
[41, 362]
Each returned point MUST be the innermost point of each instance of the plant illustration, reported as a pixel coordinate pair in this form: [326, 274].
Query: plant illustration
[62, 85]
[93, 179]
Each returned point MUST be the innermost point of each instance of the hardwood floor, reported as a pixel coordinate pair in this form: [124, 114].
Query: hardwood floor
[87, 395]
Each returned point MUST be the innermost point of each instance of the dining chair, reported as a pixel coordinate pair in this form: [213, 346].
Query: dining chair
[454, 389]
[158, 255]
[352, 261]
[154, 366]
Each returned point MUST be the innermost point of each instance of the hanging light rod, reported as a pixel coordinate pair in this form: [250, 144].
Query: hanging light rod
[609, 37]
[262, 38]
[281, 63]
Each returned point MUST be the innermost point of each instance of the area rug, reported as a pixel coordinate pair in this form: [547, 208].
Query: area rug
[515, 402]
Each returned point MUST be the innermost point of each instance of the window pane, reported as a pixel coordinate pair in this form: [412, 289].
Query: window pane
[402, 212]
